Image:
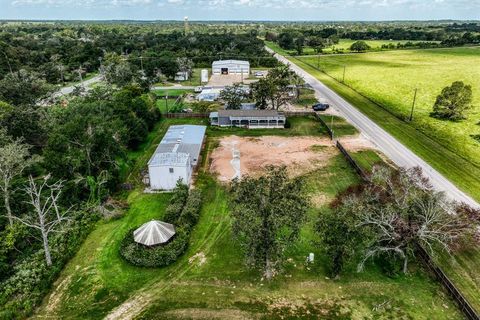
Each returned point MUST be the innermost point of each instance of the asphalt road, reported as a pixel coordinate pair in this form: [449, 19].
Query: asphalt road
[397, 152]
[67, 90]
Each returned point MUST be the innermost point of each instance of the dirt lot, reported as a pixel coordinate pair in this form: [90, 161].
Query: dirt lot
[220, 80]
[237, 156]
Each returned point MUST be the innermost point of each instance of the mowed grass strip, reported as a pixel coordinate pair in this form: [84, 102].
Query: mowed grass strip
[210, 280]
[462, 268]
[461, 171]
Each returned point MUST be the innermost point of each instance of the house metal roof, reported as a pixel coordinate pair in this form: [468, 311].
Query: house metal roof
[180, 144]
[249, 113]
[230, 62]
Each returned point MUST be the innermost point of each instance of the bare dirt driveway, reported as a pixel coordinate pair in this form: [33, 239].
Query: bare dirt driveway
[222, 80]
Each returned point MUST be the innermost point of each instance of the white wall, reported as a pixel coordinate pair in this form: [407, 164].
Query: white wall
[162, 179]
[233, 68]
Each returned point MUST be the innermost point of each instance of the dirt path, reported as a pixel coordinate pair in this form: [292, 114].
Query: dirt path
[140, 300]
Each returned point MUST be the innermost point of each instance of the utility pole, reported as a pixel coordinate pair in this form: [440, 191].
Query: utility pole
[318, 62]
[344, 68]
[141, 63]
[413, 104]
[80, 73]
[331, 126]
[166, 103]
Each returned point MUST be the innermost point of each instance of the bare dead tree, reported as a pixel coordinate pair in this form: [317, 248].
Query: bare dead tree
[46, 216]
[14, 159]
[400, 210]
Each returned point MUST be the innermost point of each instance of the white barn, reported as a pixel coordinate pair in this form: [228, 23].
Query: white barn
[176, 156]
[231, 67]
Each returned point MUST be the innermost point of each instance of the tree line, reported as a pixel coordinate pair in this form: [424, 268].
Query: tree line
[62, 52]
[424, 36]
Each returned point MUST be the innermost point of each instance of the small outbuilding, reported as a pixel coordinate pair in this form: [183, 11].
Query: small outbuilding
[231, 67]
[250, 119]
[181, 76]
[209, 94]
[153, 233]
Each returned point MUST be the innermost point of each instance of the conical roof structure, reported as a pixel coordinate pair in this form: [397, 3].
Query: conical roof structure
[154, 232]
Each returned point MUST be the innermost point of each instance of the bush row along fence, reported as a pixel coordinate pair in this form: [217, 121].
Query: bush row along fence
[206, 115]
[427, 260]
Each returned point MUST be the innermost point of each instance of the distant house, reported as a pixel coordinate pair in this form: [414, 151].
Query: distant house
[231, 67]
[176, 156]
[181, 76]
[209, 94]
[248, 118]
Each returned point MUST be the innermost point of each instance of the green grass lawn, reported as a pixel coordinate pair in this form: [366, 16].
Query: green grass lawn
[299, 126]
[462, 269]
[366, 159]
[171, 92]
[389, 79]
[97, 280]
[427, 137]
[169, 104]
[195, 78]
[339, 125]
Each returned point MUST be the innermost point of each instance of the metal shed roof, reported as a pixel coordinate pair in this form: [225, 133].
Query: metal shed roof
[230, 62]
[154, 232]
[180, 143]
[249, 113]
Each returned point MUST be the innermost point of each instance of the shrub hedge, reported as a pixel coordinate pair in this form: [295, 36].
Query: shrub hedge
[183, 212]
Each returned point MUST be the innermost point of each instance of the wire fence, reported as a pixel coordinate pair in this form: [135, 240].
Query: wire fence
[452, 290]
[427, 260]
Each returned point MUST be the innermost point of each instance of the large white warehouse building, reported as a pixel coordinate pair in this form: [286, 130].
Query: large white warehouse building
[176, 156]
[231, 67]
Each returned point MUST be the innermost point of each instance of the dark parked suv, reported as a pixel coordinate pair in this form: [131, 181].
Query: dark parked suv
[320, 106]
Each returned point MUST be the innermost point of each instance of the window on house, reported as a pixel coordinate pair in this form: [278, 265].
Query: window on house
[171, 170]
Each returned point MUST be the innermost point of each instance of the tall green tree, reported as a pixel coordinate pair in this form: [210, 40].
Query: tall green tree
[340, 237]
[23, 88]
[274, 90]
[454, 100]
[359, 46]
[233, 96]
[268, 213]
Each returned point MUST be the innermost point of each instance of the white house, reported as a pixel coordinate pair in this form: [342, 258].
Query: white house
[231, 67]
[181, 76]
[176, 156]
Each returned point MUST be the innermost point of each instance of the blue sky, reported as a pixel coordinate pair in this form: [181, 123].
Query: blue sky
[241, 9]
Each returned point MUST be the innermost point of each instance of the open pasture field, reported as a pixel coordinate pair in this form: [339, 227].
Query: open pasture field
[390, 78]
[447, 146]
[210, 280]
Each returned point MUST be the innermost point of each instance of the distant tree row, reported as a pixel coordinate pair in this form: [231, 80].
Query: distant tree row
[318, 39]
[65, 52]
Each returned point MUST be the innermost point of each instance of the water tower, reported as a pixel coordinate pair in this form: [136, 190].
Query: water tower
[185, 25]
